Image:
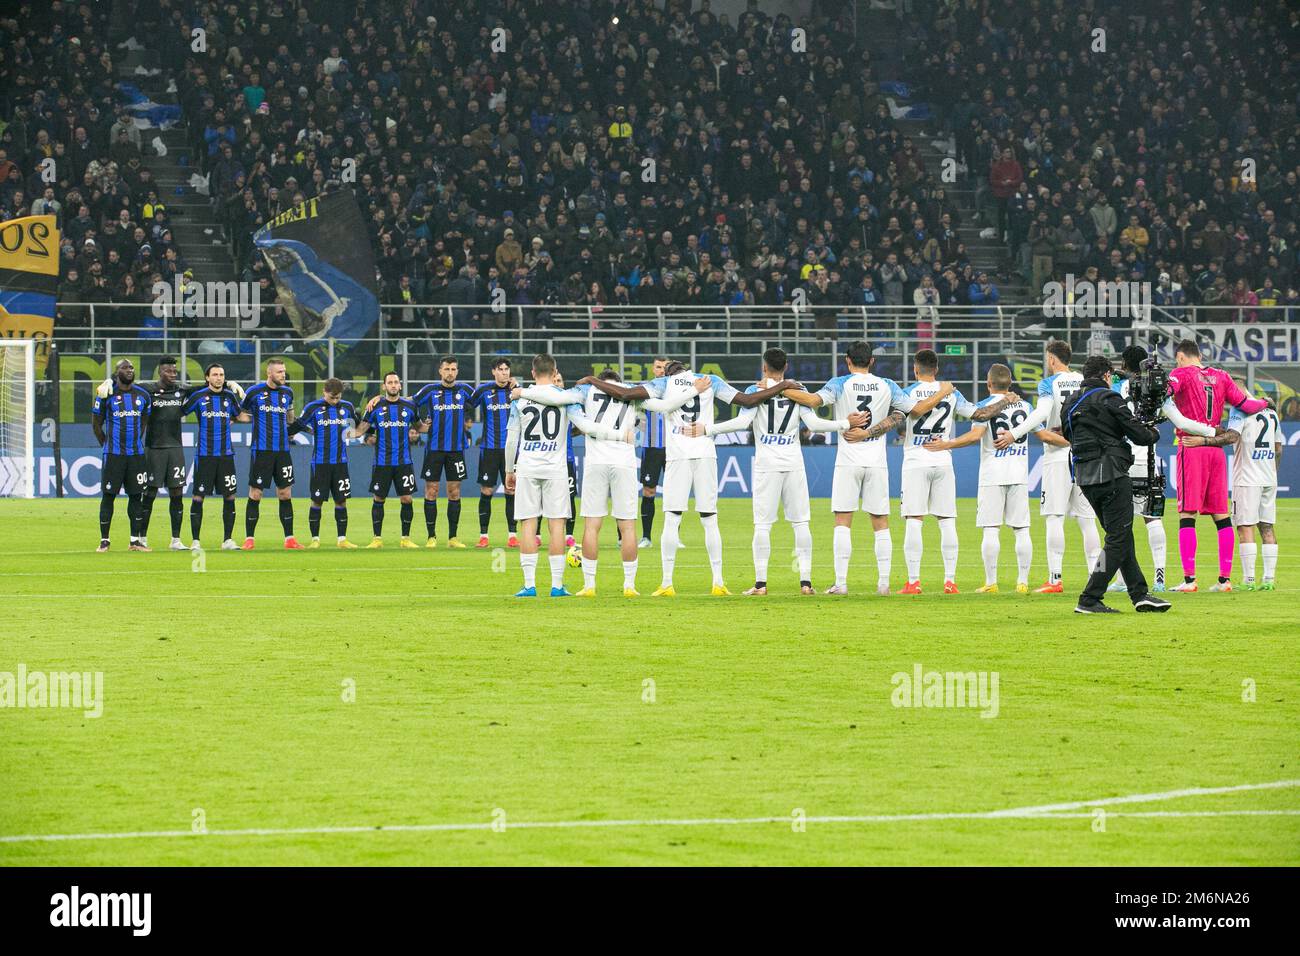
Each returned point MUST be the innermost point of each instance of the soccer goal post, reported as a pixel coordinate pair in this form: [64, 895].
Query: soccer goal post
[17, 418]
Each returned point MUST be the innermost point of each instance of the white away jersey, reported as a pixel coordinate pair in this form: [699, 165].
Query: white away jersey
[860, 392]
[1004, 466]
[543, 434]
[698, 408]
[1254, 457]
[1055, 387]
[776, 424]
[603, 409]
[936, 423]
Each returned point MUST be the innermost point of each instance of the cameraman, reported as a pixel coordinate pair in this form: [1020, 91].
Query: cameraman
[1096, 423]
[1132, 359]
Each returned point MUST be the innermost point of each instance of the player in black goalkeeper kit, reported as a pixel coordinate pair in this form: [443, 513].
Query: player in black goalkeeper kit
[164, 452]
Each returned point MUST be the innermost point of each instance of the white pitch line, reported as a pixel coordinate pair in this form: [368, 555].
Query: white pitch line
[1147, 797]
[1016, 813]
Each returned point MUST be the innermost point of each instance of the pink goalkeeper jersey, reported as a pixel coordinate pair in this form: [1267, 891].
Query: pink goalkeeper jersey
[1200, 393]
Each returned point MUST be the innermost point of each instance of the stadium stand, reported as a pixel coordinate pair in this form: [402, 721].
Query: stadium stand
[673, 157]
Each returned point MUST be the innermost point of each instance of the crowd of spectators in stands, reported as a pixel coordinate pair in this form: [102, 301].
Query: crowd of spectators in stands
[626, 153]
[1152, 143]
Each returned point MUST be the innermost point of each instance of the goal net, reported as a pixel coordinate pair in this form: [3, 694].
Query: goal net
[17, 418]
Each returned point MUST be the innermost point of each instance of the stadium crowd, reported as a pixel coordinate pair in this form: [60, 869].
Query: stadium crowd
[605, 153]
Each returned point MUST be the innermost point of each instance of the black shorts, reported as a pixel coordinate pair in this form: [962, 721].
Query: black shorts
[491, 466]
[214, 475]
[450, 463]
[401, 477]
[573, 479]
[652, 467]
[271, 467]
[330, 481]
[129, 473]
[166, 467]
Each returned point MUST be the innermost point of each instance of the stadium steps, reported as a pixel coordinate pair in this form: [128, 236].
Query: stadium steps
[197, 232]
[880, 33]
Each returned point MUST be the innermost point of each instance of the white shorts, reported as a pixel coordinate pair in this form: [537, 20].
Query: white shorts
[541, 497]
[998, 505]
[1253, 504]
[789, 489]
[684, 475]
[600, 483]
[854, 486]
[929, 491]
[1060, 495]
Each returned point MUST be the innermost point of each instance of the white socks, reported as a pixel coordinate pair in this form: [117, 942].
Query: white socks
[557, 570]
[713, 545]
[1270, 560]
[1248, 551]
[762, 549]
[842, 550]
[1157, 541]
[989, 548]
[803, 550]
[1091, 541]
[528, 562]
[629, 575]
[884, 556]
[1055, 546]
[948, 547]
[1024, 555]
[912, 548]
[589, 572]
[669, 542]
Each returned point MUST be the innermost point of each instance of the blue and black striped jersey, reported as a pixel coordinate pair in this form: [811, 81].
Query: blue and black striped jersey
[654, 430]
[124, 413]
[270, 409]
[445, 406]
[495, 402]
[329, 426]
[392, 421]
[215, 412]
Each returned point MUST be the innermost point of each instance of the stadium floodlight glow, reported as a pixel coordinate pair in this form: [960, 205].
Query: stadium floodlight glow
[17, 418]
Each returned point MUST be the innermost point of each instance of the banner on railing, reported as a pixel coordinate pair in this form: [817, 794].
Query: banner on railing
[29, 275]
[1226, 344]
[323, 268]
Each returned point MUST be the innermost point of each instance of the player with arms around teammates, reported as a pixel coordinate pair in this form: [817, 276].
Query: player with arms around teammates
[691, 462]
[1198, 394]
[779, 478]
[929, 484]
[1003, 497]
[216, 409]
[1060, 495]
[536, 473]
[875, 406]
[609, 471]
[1256, 442]
[331, 421]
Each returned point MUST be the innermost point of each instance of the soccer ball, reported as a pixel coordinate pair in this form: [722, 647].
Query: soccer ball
[574, 557]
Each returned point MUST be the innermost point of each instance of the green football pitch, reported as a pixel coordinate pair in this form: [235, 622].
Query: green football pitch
[400, 707]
